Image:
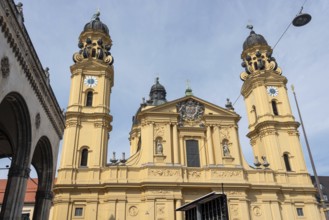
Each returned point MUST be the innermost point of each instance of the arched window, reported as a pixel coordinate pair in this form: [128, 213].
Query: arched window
[275, 108]
[84, 157]
[286, 161]
[89, 101]
[192, 153]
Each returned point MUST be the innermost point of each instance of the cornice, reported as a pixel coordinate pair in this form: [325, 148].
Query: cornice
[265, 77]
[271, 125]
[79, 115]
[22, 47]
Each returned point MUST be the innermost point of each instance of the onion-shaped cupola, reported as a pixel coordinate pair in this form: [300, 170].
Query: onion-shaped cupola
[257, 56]
[254, 39]
[157, 94]
[94, 42]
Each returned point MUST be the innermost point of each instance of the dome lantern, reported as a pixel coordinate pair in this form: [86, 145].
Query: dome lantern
[157, 94]
[94, 42]
[257, 56]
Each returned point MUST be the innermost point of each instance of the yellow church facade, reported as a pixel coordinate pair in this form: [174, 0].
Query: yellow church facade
[181, 149]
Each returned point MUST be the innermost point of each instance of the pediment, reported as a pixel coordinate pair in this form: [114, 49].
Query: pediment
[264, 79]
[274, 76]
[90, 64]
[193, 104]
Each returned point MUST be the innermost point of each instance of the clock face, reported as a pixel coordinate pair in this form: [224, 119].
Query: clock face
[272, 91]
[90, 81]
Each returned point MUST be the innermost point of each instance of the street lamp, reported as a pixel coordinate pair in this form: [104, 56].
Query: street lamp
[311, 157]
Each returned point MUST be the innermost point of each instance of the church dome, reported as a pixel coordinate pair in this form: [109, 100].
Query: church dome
[157, 87]
[157, 94]
[254, 39]
[96, 25]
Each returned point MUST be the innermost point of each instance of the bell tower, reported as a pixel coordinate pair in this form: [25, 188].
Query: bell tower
[272, 127]
[87, 117]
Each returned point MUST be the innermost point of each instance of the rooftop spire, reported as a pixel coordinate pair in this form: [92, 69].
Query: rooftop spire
[188, 91]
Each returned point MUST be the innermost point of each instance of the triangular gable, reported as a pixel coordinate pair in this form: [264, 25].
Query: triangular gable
[90, 65]
[209, 108]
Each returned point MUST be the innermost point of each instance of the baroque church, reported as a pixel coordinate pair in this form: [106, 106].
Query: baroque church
[183, 149]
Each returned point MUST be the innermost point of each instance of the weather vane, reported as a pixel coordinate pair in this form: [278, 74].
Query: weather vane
[249, 26]
[96, 15]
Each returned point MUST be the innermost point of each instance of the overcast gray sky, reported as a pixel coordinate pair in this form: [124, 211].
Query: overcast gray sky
[199, 41]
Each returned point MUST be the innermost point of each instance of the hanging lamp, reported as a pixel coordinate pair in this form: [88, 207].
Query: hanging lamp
[301, 19]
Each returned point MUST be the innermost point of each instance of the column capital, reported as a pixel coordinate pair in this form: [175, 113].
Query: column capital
[16, 171]
[45, 194]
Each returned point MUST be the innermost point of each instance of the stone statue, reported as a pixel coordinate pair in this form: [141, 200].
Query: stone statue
[159, 148]
[47, 75]
[226, 149]
[266, 163]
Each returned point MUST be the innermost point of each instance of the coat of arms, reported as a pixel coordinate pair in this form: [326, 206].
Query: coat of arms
[190, 111]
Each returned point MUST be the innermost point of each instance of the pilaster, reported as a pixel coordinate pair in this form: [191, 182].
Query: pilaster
[175, 144]
[210, 152]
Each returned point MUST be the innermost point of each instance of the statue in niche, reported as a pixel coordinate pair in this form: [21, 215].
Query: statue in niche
[226, 149]
[159, 147]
